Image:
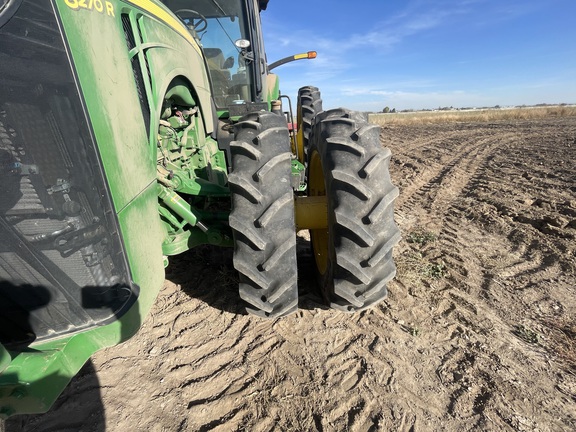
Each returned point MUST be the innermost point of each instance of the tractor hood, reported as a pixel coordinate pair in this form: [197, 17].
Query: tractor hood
[62, 263]
[80, 237]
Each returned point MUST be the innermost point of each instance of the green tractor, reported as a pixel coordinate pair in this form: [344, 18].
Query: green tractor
[135, 130]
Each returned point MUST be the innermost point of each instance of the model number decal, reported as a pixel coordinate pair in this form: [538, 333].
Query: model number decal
[101, 6]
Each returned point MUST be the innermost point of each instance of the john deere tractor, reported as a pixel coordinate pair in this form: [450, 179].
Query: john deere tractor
[135, 130]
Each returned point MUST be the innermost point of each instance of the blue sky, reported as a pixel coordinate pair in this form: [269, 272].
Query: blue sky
[417, 54]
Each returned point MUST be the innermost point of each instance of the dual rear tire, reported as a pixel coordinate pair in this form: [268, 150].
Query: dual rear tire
[345, 163]
[353, 254]
[262, 216]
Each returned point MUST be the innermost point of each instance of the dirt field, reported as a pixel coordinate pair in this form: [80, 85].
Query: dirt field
[478, 333]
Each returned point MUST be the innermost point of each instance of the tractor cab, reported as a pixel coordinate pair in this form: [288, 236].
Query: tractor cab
[228, 33]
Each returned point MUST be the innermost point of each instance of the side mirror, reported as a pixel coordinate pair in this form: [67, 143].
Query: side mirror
[242, 44]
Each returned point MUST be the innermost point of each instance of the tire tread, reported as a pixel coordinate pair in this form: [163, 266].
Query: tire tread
[262, 216]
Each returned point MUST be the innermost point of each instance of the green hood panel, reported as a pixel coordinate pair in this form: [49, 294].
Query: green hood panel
[80, 238]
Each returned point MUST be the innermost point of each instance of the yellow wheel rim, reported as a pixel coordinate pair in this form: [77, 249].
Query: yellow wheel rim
[299, 150]
[319, 237]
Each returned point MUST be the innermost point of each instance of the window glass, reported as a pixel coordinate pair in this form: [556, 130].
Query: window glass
[217, 25]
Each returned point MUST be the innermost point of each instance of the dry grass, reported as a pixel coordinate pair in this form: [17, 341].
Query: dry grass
[414, 266]
[487, 115]
[562, 338]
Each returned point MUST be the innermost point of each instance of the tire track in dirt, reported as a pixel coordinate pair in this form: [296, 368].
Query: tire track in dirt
[435, 194]
[379, 366]
[456, 239]
[420, 159]
[524, 277]
[470, 376]
[442, 174]
[469, 281]
[212, 369]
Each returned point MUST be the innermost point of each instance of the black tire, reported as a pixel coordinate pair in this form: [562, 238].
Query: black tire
[354, 255]
[262, 216]
[309, 105]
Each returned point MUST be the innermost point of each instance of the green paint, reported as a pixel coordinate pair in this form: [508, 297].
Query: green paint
[298, 170]
[107, 82]
[5, 358]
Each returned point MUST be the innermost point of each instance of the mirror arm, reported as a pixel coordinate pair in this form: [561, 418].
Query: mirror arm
[304, 56]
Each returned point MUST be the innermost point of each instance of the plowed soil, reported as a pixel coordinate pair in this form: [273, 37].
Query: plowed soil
[478, 332]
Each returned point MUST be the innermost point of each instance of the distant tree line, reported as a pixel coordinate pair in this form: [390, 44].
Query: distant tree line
[387, 109]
